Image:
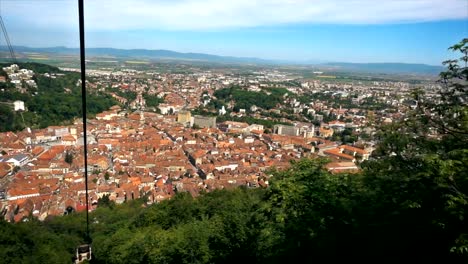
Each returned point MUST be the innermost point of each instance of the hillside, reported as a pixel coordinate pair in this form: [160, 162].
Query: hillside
[53, 98]
[307, 214]
[144, 53]
[389, 68]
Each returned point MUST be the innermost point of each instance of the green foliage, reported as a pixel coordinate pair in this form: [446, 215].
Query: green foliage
[152, 100]
[37, 67]
[6, 118]
[129, 95]
[245, 99]
[105, 201]
[450, 115]
[58, 101]
[32, 243]
[424, 161]
[69, 157]
[310, 213]
[345, 137]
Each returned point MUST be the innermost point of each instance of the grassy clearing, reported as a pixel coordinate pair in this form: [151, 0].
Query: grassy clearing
[137, 62]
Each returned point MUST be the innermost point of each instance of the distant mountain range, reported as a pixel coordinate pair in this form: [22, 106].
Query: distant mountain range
[144, 53]
[387, 67]
[391, 68]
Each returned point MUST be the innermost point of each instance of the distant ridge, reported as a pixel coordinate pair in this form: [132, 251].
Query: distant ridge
[387, 67]
[391, 68]
[144, 53]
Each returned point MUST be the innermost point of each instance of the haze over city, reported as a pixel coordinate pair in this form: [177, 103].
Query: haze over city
[300, 31]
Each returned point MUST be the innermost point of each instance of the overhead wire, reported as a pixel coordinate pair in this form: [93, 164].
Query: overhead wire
[7, 38]
[84, 109]
[83, 88]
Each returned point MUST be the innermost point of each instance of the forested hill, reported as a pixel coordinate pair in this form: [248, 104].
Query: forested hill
[36, 67]
[55, 100]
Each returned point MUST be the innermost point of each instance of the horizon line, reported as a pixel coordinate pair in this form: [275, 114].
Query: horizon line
[269, 60]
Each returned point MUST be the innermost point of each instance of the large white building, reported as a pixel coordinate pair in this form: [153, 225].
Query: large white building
[18, 105]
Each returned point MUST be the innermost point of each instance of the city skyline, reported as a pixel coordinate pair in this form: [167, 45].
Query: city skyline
[300, 31]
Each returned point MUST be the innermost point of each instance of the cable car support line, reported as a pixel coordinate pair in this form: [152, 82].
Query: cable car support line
[7, 39]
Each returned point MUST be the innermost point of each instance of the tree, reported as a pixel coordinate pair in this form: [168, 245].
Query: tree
[449, 115]
[152, 100]
[51, 105]
[105, 201]
[425, 160]
[69, 157]
[309, 213]
[6, 118]
[32, 243]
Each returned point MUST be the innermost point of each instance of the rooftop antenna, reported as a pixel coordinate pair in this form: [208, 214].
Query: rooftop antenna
[7, 39]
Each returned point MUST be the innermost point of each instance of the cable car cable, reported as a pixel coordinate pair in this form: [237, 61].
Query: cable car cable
[84, 252]
[7, 38]
[83, 103]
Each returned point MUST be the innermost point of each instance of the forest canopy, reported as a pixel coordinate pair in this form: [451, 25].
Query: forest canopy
[55, 100]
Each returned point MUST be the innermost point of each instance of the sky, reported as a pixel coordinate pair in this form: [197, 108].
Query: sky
[410, 31]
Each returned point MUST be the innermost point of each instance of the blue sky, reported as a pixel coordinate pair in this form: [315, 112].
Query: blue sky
[412, 31]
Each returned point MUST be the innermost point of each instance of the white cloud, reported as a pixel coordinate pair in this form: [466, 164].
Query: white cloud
[225, 14]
